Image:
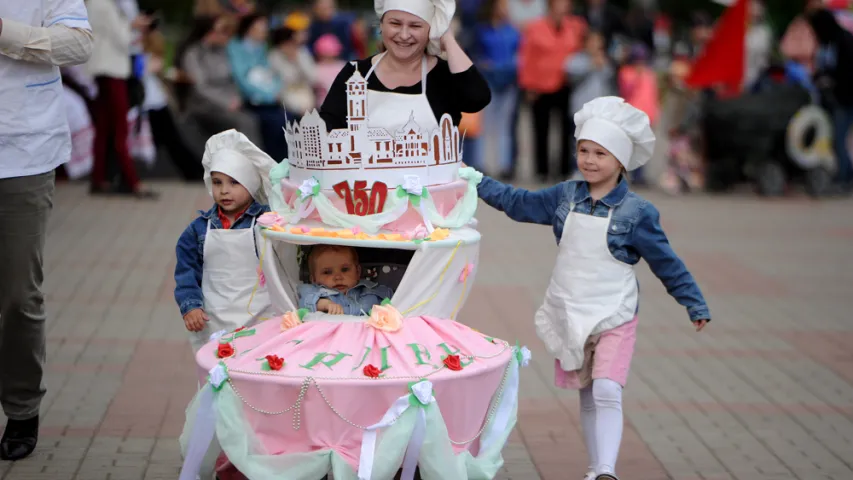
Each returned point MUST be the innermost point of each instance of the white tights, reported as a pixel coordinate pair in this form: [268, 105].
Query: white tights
[601, 419]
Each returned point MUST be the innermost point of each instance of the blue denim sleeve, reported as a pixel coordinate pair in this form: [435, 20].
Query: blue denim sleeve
[651, 243]
[188, 270]
[309, 295]
[522, 205]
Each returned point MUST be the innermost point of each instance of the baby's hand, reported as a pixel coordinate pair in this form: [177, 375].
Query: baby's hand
[330, 307]
[700, 324]
[194, 320]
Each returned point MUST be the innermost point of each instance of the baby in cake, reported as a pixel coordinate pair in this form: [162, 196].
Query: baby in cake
[336, 284]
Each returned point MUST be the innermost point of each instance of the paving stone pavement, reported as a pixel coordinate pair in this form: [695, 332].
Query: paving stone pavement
[765, 393]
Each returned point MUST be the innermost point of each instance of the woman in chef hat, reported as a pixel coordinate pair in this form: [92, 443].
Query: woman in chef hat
[408, 77]
[588, 319]
[217, 266]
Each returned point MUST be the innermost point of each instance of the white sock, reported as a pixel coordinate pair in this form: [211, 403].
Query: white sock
[607, 396]
[588, 425]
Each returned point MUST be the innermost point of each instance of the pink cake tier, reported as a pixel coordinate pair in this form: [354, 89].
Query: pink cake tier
[365, 201]
[327, 394]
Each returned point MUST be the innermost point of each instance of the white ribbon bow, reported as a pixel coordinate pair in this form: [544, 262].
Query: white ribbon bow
[422, 391]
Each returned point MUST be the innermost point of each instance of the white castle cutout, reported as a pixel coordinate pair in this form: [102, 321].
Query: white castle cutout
[360, 146]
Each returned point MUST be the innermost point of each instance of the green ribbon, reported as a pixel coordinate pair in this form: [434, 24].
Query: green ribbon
[387, 301]
[517, 351]
[217, 388]
[301, 313]
[413, 399]
[414, 199]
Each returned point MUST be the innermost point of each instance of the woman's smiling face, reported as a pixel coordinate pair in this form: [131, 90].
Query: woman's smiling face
[404, 35]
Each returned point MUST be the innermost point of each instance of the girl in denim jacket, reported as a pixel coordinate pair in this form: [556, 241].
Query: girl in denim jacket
[588, 319]
[217, 261]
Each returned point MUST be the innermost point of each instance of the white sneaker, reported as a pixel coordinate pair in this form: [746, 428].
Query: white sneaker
[590, 475]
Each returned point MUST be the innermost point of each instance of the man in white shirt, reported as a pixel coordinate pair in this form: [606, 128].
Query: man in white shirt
[36, 38]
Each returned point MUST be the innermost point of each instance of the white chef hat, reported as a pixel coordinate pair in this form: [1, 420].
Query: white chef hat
[438, 13]
[233, 154]
[619, 127]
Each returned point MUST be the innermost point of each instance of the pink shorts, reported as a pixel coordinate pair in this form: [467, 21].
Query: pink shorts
[606, 355]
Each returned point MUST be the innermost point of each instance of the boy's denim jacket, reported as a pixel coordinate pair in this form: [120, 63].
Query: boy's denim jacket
[634, 231]
[190, 253]
[357, 301]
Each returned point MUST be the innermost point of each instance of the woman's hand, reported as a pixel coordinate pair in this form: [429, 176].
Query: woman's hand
[448, 40]
[457, 59]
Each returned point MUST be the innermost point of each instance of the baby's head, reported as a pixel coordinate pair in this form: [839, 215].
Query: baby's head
[334, 266]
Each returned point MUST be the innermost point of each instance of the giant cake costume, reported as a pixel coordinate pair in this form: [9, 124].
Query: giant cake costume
[303, 394]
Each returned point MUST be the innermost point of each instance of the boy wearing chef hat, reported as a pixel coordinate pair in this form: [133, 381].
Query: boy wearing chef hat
[217, 267]
[588, 319]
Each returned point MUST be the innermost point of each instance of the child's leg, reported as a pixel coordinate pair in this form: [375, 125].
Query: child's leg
[607, 397]
[588, 425]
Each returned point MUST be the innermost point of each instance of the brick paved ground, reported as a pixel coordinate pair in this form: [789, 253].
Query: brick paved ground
[766, 393]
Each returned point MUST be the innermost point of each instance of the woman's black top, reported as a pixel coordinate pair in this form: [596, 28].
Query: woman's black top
[451, 93]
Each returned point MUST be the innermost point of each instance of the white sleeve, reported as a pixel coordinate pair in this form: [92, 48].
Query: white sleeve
[64, 38]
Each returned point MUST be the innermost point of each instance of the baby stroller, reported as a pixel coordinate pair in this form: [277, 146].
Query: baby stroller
[770, 138]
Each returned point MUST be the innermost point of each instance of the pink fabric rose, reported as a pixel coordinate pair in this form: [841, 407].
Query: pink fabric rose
[269, 219]
[420, 232]
[385, 318]
[290, 320]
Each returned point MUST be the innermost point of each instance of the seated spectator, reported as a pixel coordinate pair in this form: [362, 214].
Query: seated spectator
[329, 64]
[259, 86]
[215, 102]
[326, 20]
[294, 64]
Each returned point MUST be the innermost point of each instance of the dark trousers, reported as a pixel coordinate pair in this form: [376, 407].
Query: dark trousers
[167, 136]
[543, 107]
[111, 109]
[271, 119]
[24, 212]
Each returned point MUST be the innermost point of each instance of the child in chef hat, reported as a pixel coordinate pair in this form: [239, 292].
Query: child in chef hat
[217, 267]
[588, 319]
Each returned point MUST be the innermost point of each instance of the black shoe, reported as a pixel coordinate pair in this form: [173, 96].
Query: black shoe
[19, 439]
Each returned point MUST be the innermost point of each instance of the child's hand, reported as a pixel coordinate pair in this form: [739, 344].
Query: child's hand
[194, 320]
[700, 324]
[330, 307]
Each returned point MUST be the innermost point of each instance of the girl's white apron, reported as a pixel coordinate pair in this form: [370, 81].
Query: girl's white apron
[230, 275]
[392, 111]
[590, 291]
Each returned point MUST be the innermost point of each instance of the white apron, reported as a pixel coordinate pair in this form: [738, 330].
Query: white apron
[230, 274]
[392, 111]
[590, 291]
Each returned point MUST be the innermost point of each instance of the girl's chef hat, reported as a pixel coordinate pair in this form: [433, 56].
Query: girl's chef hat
[231, 153]
[437, 13]
[619, 127]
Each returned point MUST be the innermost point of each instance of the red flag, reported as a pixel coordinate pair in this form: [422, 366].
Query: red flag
[723, 60]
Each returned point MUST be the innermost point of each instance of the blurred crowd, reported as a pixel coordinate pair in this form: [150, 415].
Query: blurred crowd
[238, 67]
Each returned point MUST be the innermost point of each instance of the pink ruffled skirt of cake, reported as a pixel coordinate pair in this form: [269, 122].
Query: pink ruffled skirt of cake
[606, 355]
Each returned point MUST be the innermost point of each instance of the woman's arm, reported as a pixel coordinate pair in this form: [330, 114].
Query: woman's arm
[456, 57]
[334, 109]
[522, 205]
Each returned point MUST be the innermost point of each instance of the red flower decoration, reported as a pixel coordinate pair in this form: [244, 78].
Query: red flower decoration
[371, 371]
[275, 362]
[240, 329]
[225, 350]
[452, 362]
